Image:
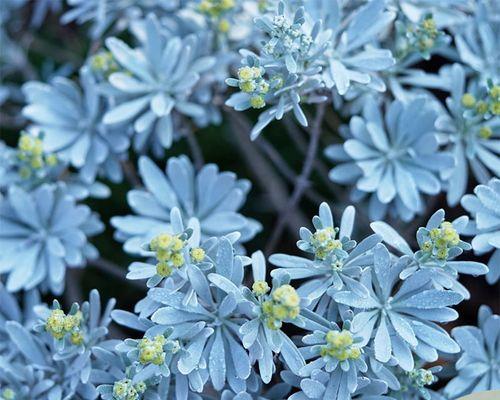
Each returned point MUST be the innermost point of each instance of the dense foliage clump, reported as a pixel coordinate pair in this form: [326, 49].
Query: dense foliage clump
[402, 97]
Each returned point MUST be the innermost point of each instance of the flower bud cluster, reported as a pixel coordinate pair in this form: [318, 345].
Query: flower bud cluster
[126, 390]
[251, 81]
[323, 242]
[8, 394]
[260, 288]
[153, 350]
[484, 106]
[340, 345]
[30, 153]
[282, 304]
[104, 63]
[440, 240]
[287, 38]
[59, 325]
[421, 37]
[421, 377]
[169, 251]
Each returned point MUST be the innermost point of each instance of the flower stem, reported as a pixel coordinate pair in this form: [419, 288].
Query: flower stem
[302, 181]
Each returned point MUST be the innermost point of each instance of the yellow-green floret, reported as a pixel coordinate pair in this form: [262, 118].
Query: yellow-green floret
[340, 345]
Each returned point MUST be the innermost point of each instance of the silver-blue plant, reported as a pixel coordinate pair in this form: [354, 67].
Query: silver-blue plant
[354, 56]
[400, 320]
[439, 245]
[208, 200]
[13, 310]
[221, 350]
[471, 127]
[105, 14]
[476, 39]
[484, 207]
[174, 254]
[285, 73]
[391, 159]
[337, 261]
[339, 353]
[157, 81]
[70, 119]
[42, 368]
[478, 366]
[50, 230]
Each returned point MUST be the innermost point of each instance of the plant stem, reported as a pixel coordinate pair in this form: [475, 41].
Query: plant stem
[282, 166]
[131, 173]
[73, 292]
[195, 149]
[263, 173]
[295, 134]
[114, 270]
[302, 181]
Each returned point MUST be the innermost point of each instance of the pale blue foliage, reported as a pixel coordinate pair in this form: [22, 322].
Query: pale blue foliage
[444, 269]
[462, 133]
[484, 207]
[308, 49]
[43, 369]
[401, 321]
[180, 274]
[208, 200]
[156, 84]
[12, 310]
[322, 386]
[337, 263]
[476, 41]
[11, 173]
[391, 159]
[218, 355]
[354, 57]
[413, 385]
[263, 339]
[290, 59]
[447, 13]
[256, 390]
[70, 119]
[104, 13]
[478, 365]
[50, 230]
[364, 319]
[344, 374]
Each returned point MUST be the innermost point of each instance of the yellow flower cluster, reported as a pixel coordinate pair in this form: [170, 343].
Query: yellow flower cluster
[126, 390]
[260, 288]
[323, 242]
[282, 304]
[169, 252]
[197, 254]
[339, 345]
[30, 152]
[490, 103]
[441, 240]
[151, 351]
[59, 324]
[104, 63]
[252, 82]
